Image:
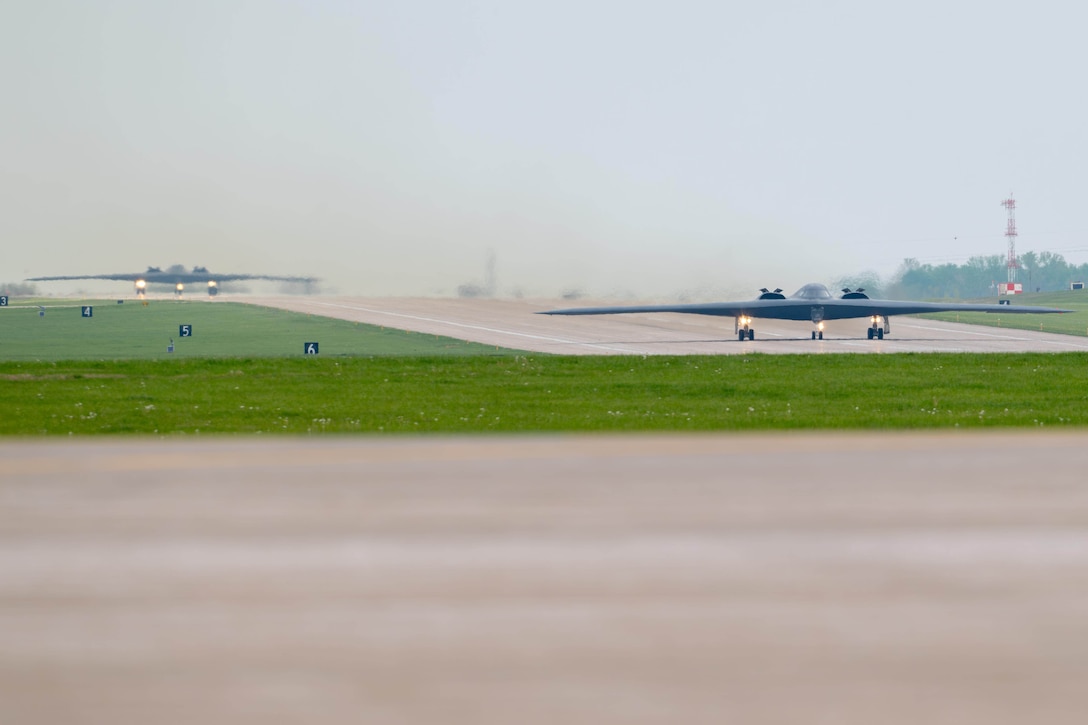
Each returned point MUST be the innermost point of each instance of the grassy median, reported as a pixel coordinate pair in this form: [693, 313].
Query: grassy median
[517, 393]
[59, 330]
[1074, 322]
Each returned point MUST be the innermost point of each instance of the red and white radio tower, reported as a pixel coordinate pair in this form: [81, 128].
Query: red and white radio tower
[1010, 234]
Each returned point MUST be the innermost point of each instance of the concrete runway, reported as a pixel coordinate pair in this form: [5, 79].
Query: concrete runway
[512, 323]
[938, 578]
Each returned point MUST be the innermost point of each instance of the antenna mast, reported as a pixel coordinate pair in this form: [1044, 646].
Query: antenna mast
[1010, 234]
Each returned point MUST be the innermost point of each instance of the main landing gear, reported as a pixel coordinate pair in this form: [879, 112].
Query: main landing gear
[878, 327]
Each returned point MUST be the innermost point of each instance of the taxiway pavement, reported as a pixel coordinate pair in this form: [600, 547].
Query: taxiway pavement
[512, 323]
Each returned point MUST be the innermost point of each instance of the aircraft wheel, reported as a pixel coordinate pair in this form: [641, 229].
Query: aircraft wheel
[751, 334]
[870, 333]
[813, 334]
[880, 334]
[820, 335]
[740, 335]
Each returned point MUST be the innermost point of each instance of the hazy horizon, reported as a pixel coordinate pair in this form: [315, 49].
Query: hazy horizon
[608, 147]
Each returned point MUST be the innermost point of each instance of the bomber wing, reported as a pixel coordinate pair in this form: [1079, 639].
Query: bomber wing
[776, 309]
[796, 309]
[158, 277]
[840, 309]
[124, 277]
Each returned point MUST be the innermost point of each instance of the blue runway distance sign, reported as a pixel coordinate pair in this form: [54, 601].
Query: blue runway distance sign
[185, 330]
[88, 311]
[309, 348]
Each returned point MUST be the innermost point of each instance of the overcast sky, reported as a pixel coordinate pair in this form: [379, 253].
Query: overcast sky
[653, 147]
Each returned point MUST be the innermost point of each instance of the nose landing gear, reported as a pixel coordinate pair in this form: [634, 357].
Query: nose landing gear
[878, 327]
[743, 328]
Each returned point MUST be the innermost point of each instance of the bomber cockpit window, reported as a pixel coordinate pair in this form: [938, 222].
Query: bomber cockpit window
[813, 292]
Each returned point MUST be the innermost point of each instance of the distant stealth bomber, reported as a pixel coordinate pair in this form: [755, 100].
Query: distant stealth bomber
[178, 277]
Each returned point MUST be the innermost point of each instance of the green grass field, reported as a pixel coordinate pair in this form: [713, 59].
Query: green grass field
[132, 331]
[1074, 323]
[243, 371]
[474, 394]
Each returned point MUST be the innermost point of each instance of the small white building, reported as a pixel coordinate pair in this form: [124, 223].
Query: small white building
[1010, 288]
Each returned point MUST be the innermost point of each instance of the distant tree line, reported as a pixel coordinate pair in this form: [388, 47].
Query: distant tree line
[977, 277]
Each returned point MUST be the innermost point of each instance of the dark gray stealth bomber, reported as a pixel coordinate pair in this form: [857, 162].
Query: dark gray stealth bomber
[815, 303]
